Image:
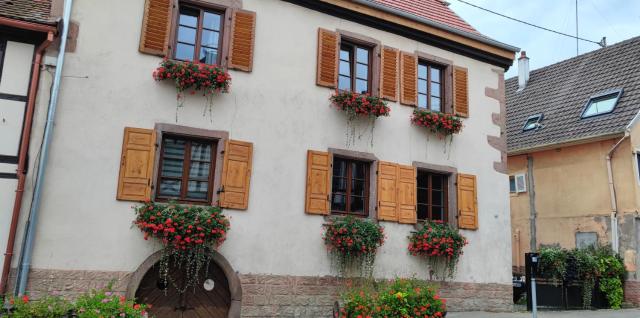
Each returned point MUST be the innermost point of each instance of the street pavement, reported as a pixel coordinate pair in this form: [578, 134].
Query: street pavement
[625, 313]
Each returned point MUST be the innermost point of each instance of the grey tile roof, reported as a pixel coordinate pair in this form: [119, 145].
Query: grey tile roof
[38, 11]
[560, 91]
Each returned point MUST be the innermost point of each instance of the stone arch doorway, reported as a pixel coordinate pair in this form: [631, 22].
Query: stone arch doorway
[223, 301]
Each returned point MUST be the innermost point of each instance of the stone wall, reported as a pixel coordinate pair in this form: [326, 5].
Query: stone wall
[632, 292]
[70, 282]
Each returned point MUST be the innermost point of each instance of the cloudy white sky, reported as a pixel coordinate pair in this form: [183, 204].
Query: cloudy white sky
[616, 19]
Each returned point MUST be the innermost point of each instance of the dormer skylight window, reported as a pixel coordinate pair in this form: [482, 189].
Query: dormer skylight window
[601, 104]
[533, 122]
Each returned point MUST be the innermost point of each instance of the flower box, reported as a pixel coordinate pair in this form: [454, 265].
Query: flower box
[437, 122]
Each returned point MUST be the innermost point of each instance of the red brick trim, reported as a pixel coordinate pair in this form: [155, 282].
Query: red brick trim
[499, 119]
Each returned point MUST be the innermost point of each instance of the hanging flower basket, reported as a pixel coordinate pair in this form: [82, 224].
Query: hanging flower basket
[437, 122]
[359, 106]
[353, 242]
[440, 244]
[188, 234]
[211, 80]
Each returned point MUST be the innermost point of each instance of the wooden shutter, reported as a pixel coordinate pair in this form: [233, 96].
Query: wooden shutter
[236, 174]
[136, 164]
[318, 182]
[389, 73]
[328, 48]
[243, 31]
[408, 79]
[407, 192]
[156, 27]
[387, 191]
[460, 91]
[467, 202]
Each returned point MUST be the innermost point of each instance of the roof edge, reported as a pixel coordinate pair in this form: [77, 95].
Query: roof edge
[570, 142]
[438, 25]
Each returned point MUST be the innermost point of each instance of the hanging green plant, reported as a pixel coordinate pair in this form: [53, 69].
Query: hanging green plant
[359, 106]
[211, 80]
[188, 234]
[353, 243]
[440, 244]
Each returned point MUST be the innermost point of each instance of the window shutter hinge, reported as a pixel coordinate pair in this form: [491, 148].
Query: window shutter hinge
[328, 197]
[220, 190]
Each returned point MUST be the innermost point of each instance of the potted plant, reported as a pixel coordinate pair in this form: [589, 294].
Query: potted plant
[440, 244]
[359, 106]
[188, 234]
[353, 243]
[437, 122]
[209, 79]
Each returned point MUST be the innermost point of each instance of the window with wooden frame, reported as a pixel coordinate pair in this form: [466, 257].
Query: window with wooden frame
[186, 169]
[430, 86]
[433, 196]
[198, 35]
[350, 187]
[355, 67]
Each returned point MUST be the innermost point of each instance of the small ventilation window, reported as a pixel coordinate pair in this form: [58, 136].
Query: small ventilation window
[601, 104]
[533, 122]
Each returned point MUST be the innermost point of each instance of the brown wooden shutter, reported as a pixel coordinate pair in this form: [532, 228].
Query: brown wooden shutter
[407, 194]
[243, 31]
[387, 191]
[328, 48]
[389, 73]
[460, 91]
[156, 27]
[236, 175]
[318, 182]
[136, 164]
[467, 202]
[408, 79]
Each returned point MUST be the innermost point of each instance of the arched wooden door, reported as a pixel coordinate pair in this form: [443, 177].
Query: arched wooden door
[198, 304]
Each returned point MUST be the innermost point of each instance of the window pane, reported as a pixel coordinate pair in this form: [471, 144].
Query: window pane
[339, 185]
[344, 83]
[359, 170]
[362, 71]
[199, 170]
[174, 148]
[423, 211]
[437, 198]
[200, 151]
[170, 188]
[422, 101]
[435, 75]
[210, 38]
[512, 184]
[437, 213]
[357, 205]
[344, 55]
[185, 51]
[423, 196]
[423, 179]
[188, 18]
[197, 190]
[208, 55]
[362, 56]
[172, 168]
[211, 21]
[435, 104]
[422, 71]
[345, 69]
[435, 89]
[436, 182]
[357, 187]
[422, 86]
[361, 86]
[339, 167]
[187, 35]
[604, 106]
[338, 202]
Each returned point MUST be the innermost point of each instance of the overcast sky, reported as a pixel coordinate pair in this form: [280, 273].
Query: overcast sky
[616, 19]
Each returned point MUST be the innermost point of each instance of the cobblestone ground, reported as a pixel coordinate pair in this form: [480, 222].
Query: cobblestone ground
[625, 313]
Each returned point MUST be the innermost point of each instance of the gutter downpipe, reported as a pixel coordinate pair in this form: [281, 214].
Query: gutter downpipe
[22, 157]
[27, 250]
[612, 189]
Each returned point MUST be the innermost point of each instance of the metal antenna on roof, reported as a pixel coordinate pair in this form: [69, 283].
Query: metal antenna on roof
[603, 42]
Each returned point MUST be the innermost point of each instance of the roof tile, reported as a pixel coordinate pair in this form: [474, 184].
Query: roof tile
[434, 10]
[28, 10]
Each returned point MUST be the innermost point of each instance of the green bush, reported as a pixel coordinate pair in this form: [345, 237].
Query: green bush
[46, 307]
[400, 298]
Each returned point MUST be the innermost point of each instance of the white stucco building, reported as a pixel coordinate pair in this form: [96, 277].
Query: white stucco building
[283, 57]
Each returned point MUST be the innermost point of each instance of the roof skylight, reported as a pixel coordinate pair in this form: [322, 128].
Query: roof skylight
[601, 104]
[533, 122]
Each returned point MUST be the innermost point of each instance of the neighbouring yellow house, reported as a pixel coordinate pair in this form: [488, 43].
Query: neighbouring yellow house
[573, 143]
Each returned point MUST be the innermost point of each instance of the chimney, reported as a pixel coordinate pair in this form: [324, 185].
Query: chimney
[523, 70]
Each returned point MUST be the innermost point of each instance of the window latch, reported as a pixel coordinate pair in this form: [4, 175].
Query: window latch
[220, 190]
